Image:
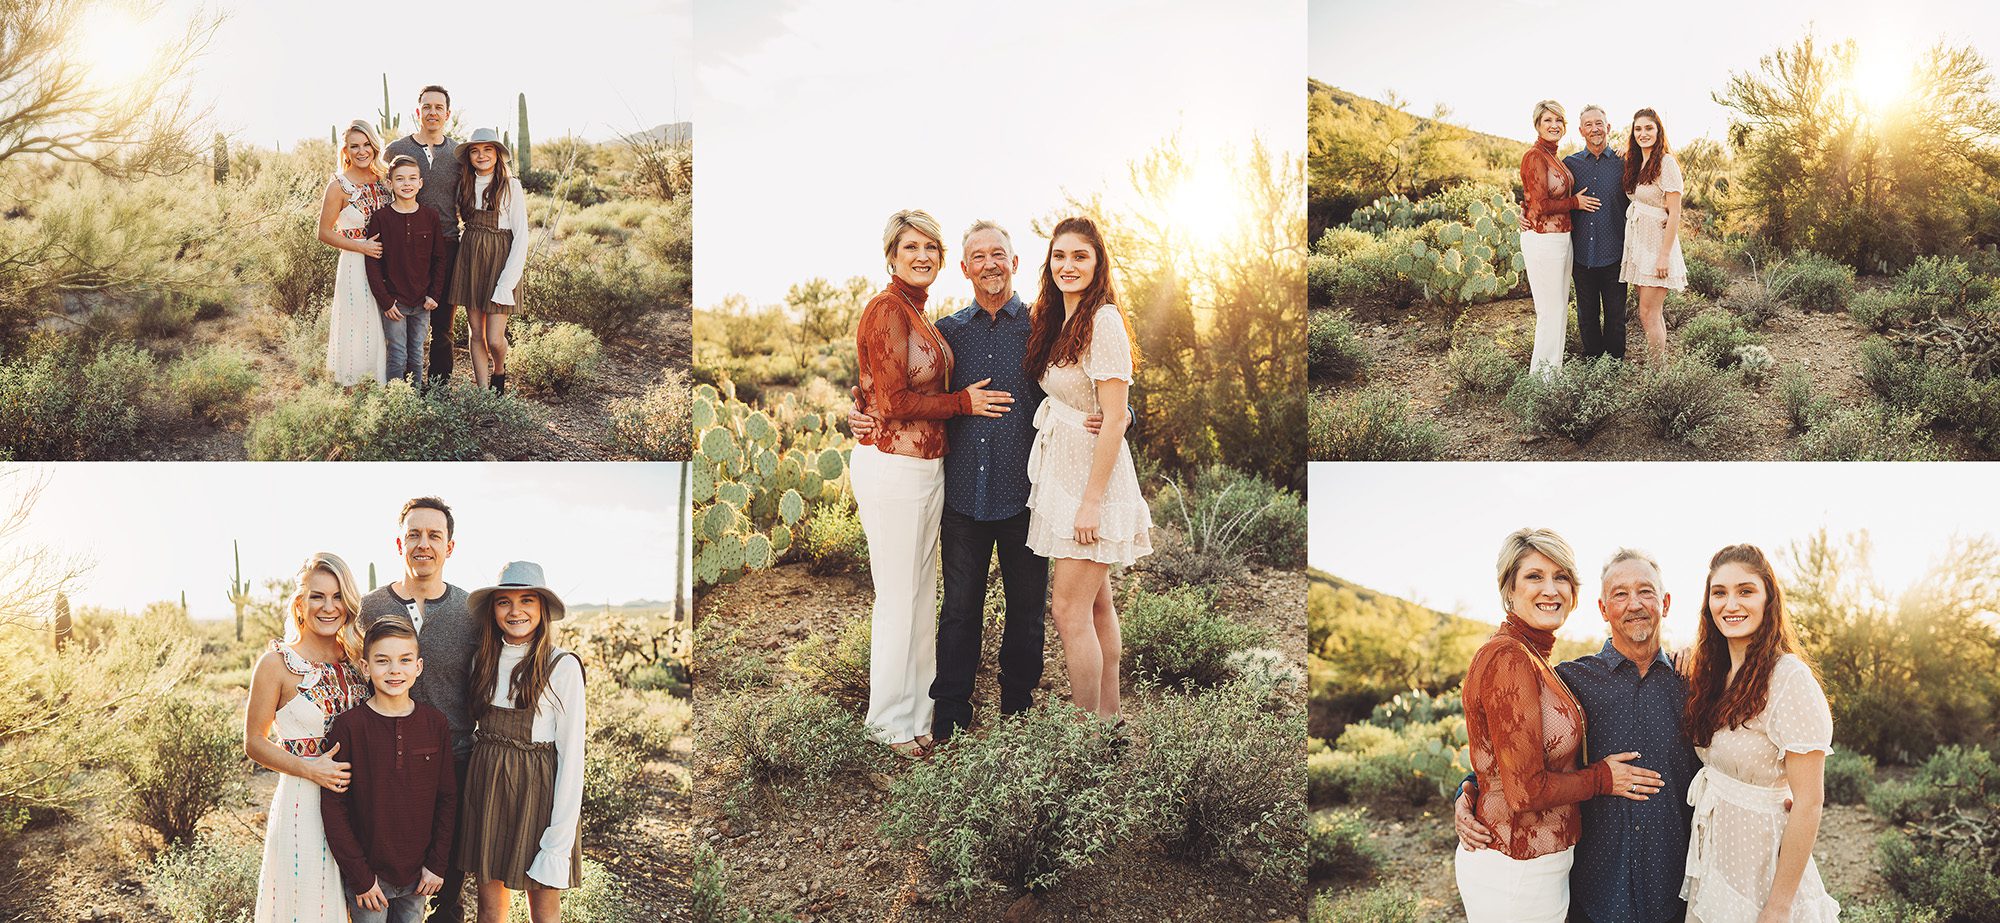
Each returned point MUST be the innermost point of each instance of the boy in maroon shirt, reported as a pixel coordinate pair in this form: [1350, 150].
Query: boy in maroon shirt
[391, 831]
[408, 278]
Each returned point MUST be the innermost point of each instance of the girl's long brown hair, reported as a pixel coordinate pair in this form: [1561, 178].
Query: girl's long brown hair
[530, 677]
[1636, 173]
[1713, 703]
[496, 191]
[1052, 340]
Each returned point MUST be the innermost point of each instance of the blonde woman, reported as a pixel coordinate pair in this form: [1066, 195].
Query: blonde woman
[898, 477]
[297, 688]
[356, 349]
[1549, 194]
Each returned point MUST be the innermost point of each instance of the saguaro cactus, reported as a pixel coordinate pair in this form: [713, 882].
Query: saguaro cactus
[390, 123]
[59, 624]
[239, 588]
[371, 575]
[523, 151]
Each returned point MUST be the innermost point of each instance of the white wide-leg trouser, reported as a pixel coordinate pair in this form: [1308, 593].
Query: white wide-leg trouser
[1549, 259]
[900, 500]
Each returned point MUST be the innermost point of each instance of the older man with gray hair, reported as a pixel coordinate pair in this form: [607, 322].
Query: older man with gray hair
[1631, 856]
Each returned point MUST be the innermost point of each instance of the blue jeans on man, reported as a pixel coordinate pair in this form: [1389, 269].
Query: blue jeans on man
[405, 905]
[406, 343]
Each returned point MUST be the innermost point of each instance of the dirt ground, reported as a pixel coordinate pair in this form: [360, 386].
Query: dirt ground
[824, 859]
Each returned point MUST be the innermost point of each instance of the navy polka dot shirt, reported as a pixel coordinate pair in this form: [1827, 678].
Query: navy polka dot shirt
[986, 468]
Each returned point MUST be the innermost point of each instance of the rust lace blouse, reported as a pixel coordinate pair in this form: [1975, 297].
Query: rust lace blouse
[1525, 730]
[1548, 188]
[905, 371]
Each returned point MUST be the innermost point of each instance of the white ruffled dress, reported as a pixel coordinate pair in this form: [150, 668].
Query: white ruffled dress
[1059, 464]
[1739, 806]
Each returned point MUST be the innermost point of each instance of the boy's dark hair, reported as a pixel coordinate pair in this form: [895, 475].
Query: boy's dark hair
[403, 160]
[434, 88]
[389, 626]
[428, 503]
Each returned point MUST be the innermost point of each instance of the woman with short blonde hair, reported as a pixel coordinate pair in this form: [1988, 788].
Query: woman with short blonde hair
[1525, 732]
[1548, 196]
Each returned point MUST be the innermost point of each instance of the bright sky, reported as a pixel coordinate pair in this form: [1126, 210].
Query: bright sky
[602, 532]
[1431, 532]
[820, 119]
[278, 72]
[1490, 62]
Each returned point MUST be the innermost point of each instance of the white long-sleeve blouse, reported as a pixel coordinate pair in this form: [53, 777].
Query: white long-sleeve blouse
[559, 718]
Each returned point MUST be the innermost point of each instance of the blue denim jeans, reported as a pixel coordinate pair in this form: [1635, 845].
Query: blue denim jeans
[405, 906]
[406, 343]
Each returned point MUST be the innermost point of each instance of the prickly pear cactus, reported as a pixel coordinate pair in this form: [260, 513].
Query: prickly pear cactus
[1444, 759]
[759, 473]
[1468, 246]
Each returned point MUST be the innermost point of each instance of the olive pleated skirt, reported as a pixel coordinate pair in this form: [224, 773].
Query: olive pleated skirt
[510, 795]
[482, 256]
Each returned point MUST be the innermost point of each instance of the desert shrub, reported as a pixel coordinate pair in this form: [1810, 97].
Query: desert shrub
[1849, 777]
[1339, 845]
[301, 278]
[605, 289]
[1890, 910]
[1375, 424]
[169, 314]
[1871, 432]
[1352, 266]
[723, 660]
[1175, 562]
[1936, 392]
[186, 762]
[1714, 336]
[1679, 307]
[1813, 282]
[1237, 515]
[1952, 884]
[599, 897]
[1687, 400]
[1755, 304]
[1574, 401]
[1371, 763]
[456, 422]
[655, 426]
[551, 360]
[1386, 904]
[1333, 350]
[1221, 775]
[1481, 366]
[1804, 406]
[60, 402]
[1953, 778]
[795, 741]
[1945, 282]
[1322, 779]
[213, 381]
[610, 785]
[833, 540]
[303, 341]
[205, 881]
[644, 721]
[837, 667]
[1416, 707]
[1267, 670]
[1881, 310]
[1019, 807]
[1706, 279]
[1177, 637]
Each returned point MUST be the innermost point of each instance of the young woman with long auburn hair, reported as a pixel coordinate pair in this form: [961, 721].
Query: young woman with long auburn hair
[1759, 721]
[1653, 261]
[1086, 511]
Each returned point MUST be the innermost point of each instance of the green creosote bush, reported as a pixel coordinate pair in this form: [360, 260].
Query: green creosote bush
[169, 314]
[205, 880]
[1936, 392]
[1677, 309]
[797, 742]
[1333, 349]
[1955, 887]
[1688, 401]
[1178, 638]
[1019, 807]
[455, 422]
[605, 289]
[185, 764]
[1713, 336]
[834, 542]
[1850, 776]
[836, 667]
[1323, 783]
[1813, 282]
[59, 402]
[213, 381]
[1575, 401]
[1947, 283]
[1804, 406]
[610, 785]
[1224, 511]
[1412, 765]
[599, 897]
[1339, 845]
[1481, 366]
[1374, 424]
[1882, 310]
[1385, 904]
[644, 721]
[1953, 778]
[1871, 432]
[1706, 278]
[551, 360]
[1220, 775]
[301, 279]
[654, 427]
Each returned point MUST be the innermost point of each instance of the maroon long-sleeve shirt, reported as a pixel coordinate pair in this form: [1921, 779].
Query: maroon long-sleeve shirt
[411, 267]
[401, 805]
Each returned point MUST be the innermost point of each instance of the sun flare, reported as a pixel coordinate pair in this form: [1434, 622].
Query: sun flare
[1880, 82]
[1205, 205]
[117, 46]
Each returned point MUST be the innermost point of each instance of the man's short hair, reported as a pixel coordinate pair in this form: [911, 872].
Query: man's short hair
[985, 225]
[428, 503]
[434, 88]
[389, 626]
[405, 160]
[1623, 555]
[1590, 108]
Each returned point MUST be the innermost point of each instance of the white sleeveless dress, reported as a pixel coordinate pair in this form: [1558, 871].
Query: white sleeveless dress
[1059, 463]
[298, 881]
[355, 347]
